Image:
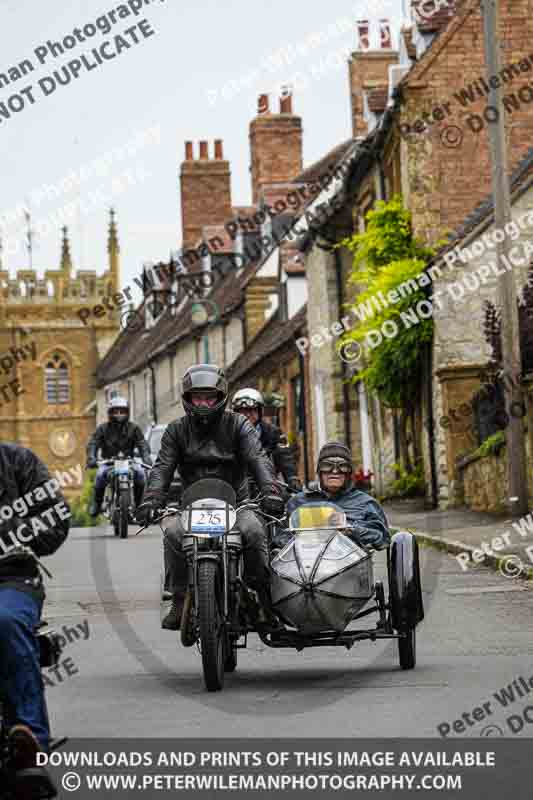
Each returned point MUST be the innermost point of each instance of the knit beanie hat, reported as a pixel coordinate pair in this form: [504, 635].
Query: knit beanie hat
[334, 450]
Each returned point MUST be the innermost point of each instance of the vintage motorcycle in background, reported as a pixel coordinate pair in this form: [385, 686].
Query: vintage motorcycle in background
[321, 582]
[119, 497]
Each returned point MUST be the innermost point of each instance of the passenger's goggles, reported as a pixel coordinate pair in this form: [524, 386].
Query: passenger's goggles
[335, 465]
[245, 403]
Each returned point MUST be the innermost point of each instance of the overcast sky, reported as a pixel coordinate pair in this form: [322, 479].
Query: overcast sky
[171, 81]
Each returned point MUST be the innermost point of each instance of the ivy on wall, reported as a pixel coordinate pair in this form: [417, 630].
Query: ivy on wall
[386, 255]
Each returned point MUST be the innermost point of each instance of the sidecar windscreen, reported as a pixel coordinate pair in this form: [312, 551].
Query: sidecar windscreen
[323, 515]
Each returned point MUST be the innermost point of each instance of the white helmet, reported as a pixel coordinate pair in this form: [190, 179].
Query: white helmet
[248, 398]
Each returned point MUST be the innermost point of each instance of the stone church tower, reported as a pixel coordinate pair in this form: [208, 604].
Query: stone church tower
[48, 356]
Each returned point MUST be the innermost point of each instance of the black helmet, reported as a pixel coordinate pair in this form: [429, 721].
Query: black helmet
[204, 378]
[118, 410]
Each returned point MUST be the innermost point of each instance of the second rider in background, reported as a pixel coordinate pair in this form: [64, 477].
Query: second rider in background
[119, 435]
[250, 403]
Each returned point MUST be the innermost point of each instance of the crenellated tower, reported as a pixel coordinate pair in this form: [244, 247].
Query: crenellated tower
[49, 353]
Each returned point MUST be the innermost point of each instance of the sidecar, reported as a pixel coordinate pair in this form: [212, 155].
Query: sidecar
[322, 581]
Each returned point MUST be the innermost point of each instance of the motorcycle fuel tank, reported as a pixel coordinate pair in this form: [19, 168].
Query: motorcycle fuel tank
[320, 580]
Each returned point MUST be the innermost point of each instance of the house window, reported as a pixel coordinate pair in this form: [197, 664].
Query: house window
[57, 381]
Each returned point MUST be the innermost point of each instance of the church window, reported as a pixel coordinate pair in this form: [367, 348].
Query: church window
[57, 381]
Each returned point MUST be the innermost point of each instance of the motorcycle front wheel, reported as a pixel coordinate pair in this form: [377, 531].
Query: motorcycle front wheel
[123, 512]
[211, 625]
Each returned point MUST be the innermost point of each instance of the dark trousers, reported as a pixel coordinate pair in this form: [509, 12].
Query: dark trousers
[21, 683]
[102, 476]
[255, 553]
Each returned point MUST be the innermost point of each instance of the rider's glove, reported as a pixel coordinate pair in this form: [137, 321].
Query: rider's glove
[295, 484]
[273, 504]
[91, 463]
[147, 512]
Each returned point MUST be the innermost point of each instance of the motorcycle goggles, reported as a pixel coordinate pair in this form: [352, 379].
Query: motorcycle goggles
[245, 402]
[335, 465]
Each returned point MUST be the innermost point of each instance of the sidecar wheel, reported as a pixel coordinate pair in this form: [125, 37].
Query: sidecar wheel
[211, 626]
[407, 650]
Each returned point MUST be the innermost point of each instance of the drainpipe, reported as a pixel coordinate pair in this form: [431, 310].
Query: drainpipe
[431, 429]
[345, 387]
[303, 390]
[154, 396]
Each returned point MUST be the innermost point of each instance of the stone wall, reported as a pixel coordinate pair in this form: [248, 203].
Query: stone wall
[460, 349]
[483, 481]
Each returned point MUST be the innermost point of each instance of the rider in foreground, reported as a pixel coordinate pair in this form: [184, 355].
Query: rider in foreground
[33, 514]
[334, 470]
[250, 403]
[209, 442]
[119, 435]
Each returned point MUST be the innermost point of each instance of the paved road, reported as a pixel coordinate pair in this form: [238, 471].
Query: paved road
[130, 678]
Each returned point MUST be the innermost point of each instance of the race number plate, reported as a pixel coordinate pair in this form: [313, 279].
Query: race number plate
[209, 521]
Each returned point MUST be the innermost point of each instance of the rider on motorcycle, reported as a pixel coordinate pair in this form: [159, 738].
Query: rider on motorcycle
[250, 403]
[119, 435]
[334, 470]
[209, 442]
[33, 513]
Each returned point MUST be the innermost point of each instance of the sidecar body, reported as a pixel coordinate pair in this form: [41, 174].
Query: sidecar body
[322, 578]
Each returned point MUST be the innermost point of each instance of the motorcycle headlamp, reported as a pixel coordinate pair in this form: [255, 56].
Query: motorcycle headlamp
[335, 465]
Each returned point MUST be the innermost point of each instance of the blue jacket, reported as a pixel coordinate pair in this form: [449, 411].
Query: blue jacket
[362, 511]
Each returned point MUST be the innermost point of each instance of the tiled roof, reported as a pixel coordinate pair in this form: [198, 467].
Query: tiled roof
[320, 167]
[271, 338]
[133, 349]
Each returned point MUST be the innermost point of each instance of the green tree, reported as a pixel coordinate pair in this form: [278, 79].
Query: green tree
[385, 256]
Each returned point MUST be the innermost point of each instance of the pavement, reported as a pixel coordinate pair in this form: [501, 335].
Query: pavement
[472, 538]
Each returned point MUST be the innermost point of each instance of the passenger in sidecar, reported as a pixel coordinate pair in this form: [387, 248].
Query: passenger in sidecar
[364, 514]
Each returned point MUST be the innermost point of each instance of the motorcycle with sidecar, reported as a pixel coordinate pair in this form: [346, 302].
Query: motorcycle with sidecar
[322, 581]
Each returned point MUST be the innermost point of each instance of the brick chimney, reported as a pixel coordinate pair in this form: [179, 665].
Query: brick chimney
[205, 191]
[275, 145]
[369, 67]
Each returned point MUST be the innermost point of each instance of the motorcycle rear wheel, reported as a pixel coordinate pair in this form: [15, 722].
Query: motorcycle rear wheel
[123, 512]
[211, 626]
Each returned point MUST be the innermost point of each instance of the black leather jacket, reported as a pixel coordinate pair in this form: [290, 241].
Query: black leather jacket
[21, 474]
[113, 438]
[282, 457]
[226, 451]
